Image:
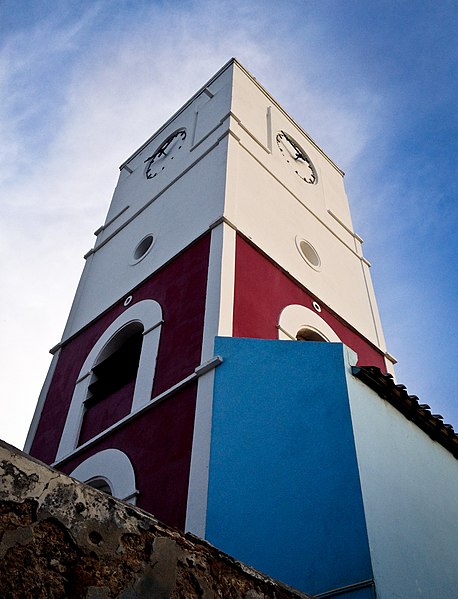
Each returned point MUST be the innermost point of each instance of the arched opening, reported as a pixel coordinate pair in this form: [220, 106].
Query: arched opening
[112, 384]
[111, 471]
[100, 484]
[309, 334]
[117, 365]
[302, 323]
[141, 324]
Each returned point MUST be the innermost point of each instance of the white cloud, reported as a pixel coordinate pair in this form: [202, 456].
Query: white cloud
[117, 78]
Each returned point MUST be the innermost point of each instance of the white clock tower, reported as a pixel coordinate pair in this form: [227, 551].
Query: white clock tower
[229, 222]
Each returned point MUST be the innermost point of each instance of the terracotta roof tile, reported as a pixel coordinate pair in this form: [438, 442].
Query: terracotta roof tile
[395, 394]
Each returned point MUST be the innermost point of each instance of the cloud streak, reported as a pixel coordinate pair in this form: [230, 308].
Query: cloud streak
[83, 88]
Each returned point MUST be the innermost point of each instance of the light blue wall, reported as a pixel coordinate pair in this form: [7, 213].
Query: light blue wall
[410, 490]
[284, 492]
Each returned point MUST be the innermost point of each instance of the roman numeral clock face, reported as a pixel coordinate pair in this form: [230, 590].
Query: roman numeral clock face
[296, 157]
[165, 153]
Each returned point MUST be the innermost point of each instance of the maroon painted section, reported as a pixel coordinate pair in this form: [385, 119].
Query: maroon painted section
[159, 447]
[158, 443]
[263, 289]
[106, 412]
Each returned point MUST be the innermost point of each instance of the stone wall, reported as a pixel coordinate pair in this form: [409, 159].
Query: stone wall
[60, 538]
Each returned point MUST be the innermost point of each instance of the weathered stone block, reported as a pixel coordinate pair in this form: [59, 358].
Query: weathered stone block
[60, 538]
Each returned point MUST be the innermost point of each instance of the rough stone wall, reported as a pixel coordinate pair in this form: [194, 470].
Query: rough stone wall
[60, 538]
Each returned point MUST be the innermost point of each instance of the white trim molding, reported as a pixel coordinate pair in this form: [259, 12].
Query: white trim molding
[295, 317]
[113, 466]
[198, 372]
[149, 314]
[219, 309]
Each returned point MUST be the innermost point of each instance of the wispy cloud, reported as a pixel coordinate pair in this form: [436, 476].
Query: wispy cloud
[83, 88]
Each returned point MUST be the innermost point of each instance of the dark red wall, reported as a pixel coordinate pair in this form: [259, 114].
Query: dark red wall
[106, 412]
[263, 289]
[158, 443]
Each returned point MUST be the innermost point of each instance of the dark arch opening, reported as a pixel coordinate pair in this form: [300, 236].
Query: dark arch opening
[308, 334]
[118, 363]
[112, 386]
[100, 484]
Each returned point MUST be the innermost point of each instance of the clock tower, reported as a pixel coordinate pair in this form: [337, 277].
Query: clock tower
[229, 221]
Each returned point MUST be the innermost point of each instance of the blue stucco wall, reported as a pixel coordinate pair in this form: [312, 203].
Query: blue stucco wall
[284, 493]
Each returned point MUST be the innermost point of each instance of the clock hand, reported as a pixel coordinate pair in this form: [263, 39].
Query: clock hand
[163, 148]
[293, 144]
[161, 151]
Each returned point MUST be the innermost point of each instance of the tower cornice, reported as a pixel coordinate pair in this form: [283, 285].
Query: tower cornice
[204, 89]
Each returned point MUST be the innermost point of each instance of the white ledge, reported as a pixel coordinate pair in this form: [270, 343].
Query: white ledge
[391, 358]
[109, 222]
[198, 372]
[342, 224]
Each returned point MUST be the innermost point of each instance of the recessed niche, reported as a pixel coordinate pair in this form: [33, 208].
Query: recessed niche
[100, 484]
[308, 253]
[143, 248]
[309, 334]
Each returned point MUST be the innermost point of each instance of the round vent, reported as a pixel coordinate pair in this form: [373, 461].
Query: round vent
[308, 253]
[143, 247]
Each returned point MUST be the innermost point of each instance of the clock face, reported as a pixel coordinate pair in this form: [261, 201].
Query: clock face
[296, 157]
[164, 153]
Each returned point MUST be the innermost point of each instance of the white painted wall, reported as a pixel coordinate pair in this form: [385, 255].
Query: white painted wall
[175, 219]
[176, 206]
[410, 492]
[230, 165]
[271, 205]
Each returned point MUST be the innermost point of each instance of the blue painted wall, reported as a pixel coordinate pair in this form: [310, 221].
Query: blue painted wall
[284, 493]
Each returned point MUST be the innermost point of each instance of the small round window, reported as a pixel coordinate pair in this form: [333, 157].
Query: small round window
[308, 253]
[143, 248]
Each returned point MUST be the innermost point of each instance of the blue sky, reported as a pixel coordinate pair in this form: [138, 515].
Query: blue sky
[83, 84]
